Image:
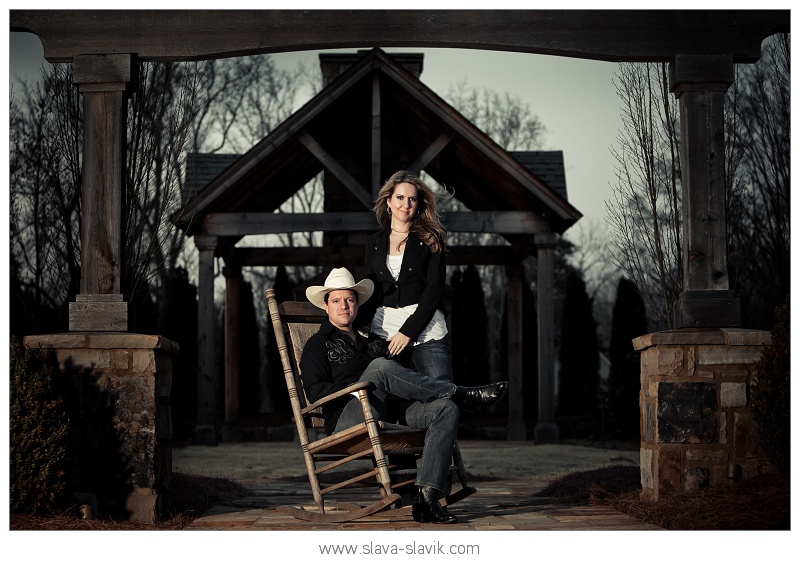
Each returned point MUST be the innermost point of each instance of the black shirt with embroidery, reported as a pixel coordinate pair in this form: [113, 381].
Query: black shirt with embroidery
[330, 362]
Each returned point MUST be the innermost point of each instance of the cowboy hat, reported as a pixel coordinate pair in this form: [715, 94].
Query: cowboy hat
[339, 279]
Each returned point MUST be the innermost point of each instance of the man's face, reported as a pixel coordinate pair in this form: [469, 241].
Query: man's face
[341, 307]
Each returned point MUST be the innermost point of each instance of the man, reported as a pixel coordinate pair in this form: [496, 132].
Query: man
[337, 356]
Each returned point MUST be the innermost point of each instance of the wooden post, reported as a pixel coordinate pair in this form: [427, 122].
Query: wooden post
[546, 430]
[233, 281]
[376, 134]
[515, 429]
[103, 80]
[699, 83]
[205, 431]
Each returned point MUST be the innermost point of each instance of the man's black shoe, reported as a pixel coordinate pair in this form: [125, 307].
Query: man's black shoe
[426, 507]
[472, 399]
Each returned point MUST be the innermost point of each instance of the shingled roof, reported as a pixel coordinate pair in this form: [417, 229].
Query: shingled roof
[202, 168]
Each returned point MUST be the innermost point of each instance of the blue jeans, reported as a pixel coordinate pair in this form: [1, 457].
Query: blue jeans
[432, 358]
[432, 411]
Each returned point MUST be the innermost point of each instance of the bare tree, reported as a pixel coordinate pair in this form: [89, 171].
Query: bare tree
[645, 210]
[759, 205]
[45, 197]
[506, 118]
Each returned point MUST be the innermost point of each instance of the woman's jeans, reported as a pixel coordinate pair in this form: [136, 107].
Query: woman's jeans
[432, 358]
[432, 411]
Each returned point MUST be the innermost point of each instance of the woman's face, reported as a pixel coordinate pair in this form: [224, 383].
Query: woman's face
[403, 202]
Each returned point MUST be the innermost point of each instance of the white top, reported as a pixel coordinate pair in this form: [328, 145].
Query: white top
[387, 321]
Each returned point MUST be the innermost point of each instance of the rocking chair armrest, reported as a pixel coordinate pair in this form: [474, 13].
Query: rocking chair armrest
[345, 391]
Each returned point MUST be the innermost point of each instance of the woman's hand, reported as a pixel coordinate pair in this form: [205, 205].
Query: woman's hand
[398, 343]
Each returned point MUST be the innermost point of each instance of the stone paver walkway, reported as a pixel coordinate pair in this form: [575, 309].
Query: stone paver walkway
[507, 476]
[498, 505]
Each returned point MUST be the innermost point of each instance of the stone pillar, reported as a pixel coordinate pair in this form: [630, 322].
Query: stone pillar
[515, 429]
[205, 431]
[699, 82]
[696, 418]
[233, 281]
[546, 430]
[120, 413]
[103, 80]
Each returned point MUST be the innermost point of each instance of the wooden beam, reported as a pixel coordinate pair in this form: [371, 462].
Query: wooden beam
[335, 168]
[354, 255]
[247, 223]
[605, 35]
[431, 152]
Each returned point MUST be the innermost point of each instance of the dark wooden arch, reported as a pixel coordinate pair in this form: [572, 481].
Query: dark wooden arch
[701, 47]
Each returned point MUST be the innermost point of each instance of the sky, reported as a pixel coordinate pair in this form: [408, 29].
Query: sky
[574, 98]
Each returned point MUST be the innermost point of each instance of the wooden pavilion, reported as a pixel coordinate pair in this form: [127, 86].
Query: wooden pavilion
[374, 117]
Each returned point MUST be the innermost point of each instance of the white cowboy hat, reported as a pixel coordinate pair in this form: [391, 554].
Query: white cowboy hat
[339, 279]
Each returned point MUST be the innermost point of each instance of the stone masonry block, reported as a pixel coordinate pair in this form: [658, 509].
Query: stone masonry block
[719, 475]
[144, 362]
[750, 470]
[691, 362]
[670, 361]
[83, 359]
[122, 359]
[745, 435]
[724, 355]
[735, 373]
[733, 395]
[686, 412]
[706, 455]
[723, 428]
[648, 361]
[696, 478]
[648, 422]
[646, 467]
[669, 471]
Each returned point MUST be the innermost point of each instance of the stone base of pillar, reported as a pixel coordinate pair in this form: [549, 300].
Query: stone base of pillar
[545, 433]
[696, 418]
[119, 410]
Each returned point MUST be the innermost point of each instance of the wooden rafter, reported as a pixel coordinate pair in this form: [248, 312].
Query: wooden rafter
[245, 223]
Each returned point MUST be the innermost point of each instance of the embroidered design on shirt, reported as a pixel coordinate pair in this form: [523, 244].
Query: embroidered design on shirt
[338, 351]
[377, 348]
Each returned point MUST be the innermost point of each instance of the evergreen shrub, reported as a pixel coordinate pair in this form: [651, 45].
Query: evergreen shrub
[38, 431]
[770, 393]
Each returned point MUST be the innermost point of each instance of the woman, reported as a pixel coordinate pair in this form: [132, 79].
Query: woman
[405, 260]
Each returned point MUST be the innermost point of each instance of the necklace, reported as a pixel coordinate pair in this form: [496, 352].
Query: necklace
[398, 231]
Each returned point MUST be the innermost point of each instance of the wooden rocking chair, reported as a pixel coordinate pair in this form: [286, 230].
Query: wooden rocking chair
[380, 443]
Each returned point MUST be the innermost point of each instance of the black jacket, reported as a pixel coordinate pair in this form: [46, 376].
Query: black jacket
[421, 281]
[331, 362]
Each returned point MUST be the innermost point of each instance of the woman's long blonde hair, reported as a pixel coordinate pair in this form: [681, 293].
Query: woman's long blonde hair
[426, 224]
